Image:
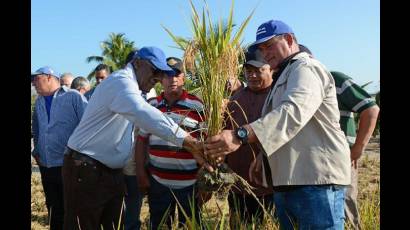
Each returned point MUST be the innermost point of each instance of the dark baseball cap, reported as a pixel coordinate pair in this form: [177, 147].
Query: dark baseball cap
[176, 64]
[255, 58]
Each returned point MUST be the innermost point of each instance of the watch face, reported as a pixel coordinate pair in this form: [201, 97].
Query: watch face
[241, 133]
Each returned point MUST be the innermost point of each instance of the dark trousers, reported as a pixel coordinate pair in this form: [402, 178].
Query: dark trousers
[93, 196]
[133, 202]
[247, 208]
[161, 201]
[53, 190]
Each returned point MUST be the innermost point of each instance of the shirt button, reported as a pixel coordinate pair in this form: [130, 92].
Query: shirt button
[79, 180]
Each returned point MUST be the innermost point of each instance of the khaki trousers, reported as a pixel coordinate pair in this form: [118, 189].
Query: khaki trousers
[351, 206]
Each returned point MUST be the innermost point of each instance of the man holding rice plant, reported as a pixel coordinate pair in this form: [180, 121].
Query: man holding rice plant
[351, 99]
[102, 143]
[299, 132]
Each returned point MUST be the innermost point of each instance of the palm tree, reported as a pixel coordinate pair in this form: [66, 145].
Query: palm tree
[114, 52]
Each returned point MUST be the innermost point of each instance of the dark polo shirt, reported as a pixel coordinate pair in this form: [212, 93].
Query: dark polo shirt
[240, 160]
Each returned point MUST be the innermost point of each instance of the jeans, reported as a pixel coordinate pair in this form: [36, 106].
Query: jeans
[160, 199]
[311, 207]
[133, 202]
[53, 189]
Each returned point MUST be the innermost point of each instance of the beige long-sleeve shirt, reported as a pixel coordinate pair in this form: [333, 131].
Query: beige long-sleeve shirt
[299, 129]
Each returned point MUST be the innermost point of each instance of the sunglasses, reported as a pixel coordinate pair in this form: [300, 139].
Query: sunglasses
[155, 70]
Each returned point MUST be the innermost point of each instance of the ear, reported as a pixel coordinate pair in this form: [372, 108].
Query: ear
[289, 39]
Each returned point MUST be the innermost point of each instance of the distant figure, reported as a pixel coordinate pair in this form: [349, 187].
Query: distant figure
[56, 114]
[81, 84]
[101, 73]
[66, 79]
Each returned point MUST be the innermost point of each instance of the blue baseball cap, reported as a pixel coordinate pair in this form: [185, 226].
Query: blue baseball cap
[46, 70]
[271, 29]
[156, 56]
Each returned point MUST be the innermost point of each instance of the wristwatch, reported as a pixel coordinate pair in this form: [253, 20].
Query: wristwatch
[242, 135]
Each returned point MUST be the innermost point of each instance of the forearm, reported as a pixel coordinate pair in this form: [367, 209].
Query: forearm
[135, 109]
[367, 123]
[140, 155]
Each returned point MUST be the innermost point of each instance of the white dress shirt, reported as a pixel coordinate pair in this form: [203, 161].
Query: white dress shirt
[105, 132]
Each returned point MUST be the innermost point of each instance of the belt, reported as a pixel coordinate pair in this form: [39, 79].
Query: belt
[86, 159]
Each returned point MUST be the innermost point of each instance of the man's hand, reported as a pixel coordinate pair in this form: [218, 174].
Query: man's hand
[201, 161]
[221, 144]
[355, 153]
[197, 148]
[192, 145]
[143, 181]
[255, 170]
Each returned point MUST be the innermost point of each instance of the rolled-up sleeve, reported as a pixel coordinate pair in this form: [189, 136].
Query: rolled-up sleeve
[303, 96]
[130, 104]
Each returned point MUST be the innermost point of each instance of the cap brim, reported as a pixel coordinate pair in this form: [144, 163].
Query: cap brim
[257, 42]
[163, 67]
[176, 70]
[170, 73]
[255, 63]
[36, 73]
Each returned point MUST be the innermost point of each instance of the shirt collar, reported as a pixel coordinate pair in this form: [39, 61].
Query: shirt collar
[282, 67]
[183, 96]
[130, 68]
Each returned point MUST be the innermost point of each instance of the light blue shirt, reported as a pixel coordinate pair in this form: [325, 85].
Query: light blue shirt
[105, 132]
[50, 137]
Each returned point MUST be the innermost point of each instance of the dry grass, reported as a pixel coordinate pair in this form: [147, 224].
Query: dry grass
[369, 196]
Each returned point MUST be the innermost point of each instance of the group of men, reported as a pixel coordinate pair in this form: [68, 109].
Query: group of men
[287, 140]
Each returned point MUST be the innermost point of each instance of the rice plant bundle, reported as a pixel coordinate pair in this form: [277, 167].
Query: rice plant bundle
[213, 56]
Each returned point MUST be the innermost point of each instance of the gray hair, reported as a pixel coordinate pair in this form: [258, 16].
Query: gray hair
[66, 75]
[79, 82]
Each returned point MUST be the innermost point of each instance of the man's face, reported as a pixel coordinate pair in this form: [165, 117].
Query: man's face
[66, 81]
[275, 50]
[100, 76]
[84, 89]
[148, 75]
[258, 77]
[174, 84]
[42, 83]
